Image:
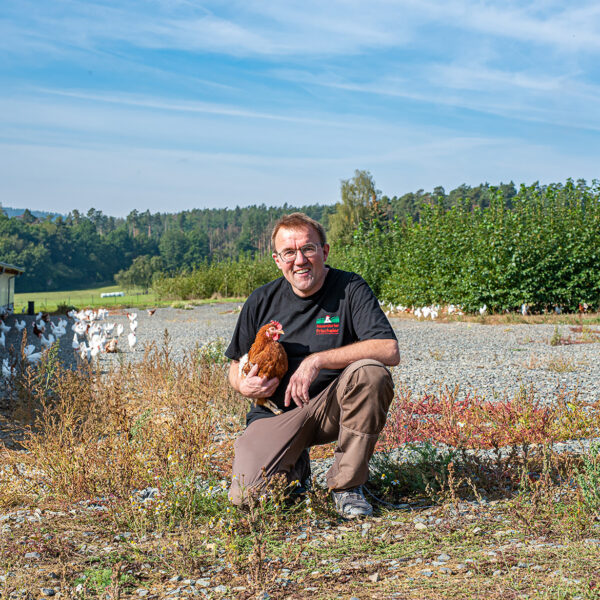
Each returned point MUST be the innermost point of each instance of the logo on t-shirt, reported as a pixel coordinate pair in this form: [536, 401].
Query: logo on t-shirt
[328, 325]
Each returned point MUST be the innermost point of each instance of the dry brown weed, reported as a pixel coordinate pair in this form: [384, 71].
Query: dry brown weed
[99, 435]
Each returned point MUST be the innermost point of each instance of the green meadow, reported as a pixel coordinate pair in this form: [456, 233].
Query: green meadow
[49, 301]
[91, 297]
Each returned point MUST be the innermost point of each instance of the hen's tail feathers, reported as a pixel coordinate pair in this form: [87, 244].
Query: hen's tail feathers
[243, 362]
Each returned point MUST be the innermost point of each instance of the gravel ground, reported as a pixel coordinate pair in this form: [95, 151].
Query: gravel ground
[493, 360]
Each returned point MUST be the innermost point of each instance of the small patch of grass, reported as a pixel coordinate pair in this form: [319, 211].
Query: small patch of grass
[100, 579]
[182, 304]
[560, 364]
[557, 338]
[533, 363]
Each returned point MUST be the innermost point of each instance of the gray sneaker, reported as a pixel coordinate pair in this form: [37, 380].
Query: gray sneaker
[352, 503]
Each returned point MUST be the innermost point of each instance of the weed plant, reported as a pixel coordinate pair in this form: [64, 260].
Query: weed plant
[138, 426]
[489, 444]
[589, 479]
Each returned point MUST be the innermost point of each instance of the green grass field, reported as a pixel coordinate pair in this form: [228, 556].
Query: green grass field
[49, 301]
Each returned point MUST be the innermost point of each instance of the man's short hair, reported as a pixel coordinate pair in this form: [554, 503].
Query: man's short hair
[295, 221]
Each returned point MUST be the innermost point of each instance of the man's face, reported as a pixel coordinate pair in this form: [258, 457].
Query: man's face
[306, 275]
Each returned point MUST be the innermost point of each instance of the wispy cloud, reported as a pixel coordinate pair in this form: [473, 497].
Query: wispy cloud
[524, 96]
[185, 106]
[303, 28]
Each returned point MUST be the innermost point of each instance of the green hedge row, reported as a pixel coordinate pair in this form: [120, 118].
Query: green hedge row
[541, 247]
[231, 278]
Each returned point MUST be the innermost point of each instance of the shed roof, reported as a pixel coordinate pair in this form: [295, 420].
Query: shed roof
[6, 268]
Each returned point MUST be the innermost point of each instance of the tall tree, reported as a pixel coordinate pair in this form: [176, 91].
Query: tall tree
[359, 199]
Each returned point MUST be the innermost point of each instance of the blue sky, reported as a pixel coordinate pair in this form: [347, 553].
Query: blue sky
[169, 105]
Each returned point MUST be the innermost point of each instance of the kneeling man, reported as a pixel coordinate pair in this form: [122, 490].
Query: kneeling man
[339, 344]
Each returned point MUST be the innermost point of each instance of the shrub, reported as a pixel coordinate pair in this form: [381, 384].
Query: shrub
[227, 279]
[472, 423]
[145, 425]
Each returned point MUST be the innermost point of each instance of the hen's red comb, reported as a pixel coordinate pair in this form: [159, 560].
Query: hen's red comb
[277, 324]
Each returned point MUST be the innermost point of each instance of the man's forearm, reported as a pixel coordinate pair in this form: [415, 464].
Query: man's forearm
[385, 351]
[234, 375]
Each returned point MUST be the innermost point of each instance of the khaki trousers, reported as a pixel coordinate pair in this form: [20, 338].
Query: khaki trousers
[351, 410]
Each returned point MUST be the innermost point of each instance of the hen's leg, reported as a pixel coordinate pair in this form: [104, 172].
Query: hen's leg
[270, 405]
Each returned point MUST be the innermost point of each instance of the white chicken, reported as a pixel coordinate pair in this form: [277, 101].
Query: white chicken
[6, 369]
[84, 351]
[46, 342]
[132, 340]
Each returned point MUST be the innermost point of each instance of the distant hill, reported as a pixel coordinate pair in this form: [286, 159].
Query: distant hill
[16, 212]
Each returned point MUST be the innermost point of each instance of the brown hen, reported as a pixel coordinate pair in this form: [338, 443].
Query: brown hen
[270, 356]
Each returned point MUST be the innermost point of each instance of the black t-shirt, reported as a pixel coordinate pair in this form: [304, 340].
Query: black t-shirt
[342, 312]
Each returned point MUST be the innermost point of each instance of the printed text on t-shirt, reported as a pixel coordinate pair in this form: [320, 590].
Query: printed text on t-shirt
[328, 325]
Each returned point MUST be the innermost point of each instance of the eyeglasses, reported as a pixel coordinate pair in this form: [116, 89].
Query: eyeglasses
[288, 255]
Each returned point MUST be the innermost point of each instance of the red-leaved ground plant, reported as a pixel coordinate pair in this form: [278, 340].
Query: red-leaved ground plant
[473, 422]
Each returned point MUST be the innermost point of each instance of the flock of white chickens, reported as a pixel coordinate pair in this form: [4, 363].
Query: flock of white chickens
[97, 335]
[427, 312]
[435, 310]
[92, 334]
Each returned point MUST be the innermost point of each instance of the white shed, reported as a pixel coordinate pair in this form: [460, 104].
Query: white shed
[7, 285]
